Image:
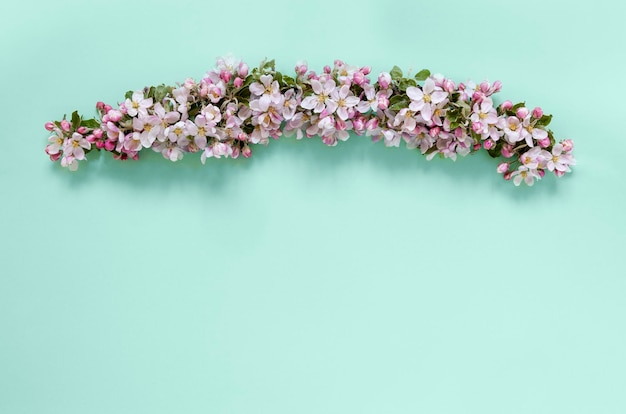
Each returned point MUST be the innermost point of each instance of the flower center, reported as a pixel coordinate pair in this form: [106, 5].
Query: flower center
[529, 128]
[147, 127]
[513, 127]
[409, 114]
[482, 115]
[322, 98]
[178, 131]
[75, 144]
[555, 158]
[341, 102]
[201, 131]
[135, 104]
[427, 98]
[524, 174]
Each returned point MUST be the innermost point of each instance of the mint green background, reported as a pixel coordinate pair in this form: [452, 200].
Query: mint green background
[355, 279]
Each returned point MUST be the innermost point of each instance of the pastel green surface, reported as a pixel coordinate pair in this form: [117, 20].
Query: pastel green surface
[355, 279]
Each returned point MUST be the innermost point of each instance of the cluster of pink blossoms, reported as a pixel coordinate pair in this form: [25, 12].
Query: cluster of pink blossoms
[232, 108]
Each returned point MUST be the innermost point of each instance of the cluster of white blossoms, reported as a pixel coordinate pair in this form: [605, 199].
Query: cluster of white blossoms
[232, 109]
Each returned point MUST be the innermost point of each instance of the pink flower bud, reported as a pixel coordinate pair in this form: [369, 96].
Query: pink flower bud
[496, 87]
[366, 70]
[359, 78]
[189, 83]
[340, 124]
[358, 124]
[114, 115]
[123, 109]
[238, 82]
[434, 131]
[55, 157]
[502, 167]
[475, 147]
[384, 80]
[312, 75]
[204, 91]
[541, 172]
[372, 124]
[235, 153]
[135, 157]
[81, 130]
[522, 112]
[338, 62]
[448, 85]
[105, 119]
[242, 70]
[537, 112]
[100, 105]
[507, 175]
[91, 138]
[98, 133]
[477, 126]
[544, 143]
[383, 102]
[568, 145]
[326, 69]
[559, 173]
[49, 126]
[225, 75]
[65, 126]
[507, 151]
[107, 108]
[488, 144]
[246, 151]
[461, 86]
[109, 145]
[484, 87]
[99, 144]
[324, 113]
[478, 96]
[506, 105]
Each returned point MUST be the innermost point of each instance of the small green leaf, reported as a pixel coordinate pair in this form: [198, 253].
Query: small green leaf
[398, 102]
[517, 106]
[396, 73]
[288, 80]
[128, 94]
[75, 120]
[544, 120]
[405, 83]
[422, 75]
[90, 123]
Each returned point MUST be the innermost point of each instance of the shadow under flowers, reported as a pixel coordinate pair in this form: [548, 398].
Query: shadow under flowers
[313, 157]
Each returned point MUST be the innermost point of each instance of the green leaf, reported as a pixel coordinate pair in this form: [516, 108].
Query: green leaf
[405, 83]
[396, 73]
[75, 120]
[288, 80]
[517, 106]
[398, 102]
[90, 123]
[128, 95]
[422, 75]
[544, 120]
[268, 66]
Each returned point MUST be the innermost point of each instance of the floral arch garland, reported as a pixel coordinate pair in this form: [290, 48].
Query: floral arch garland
[231, 109]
